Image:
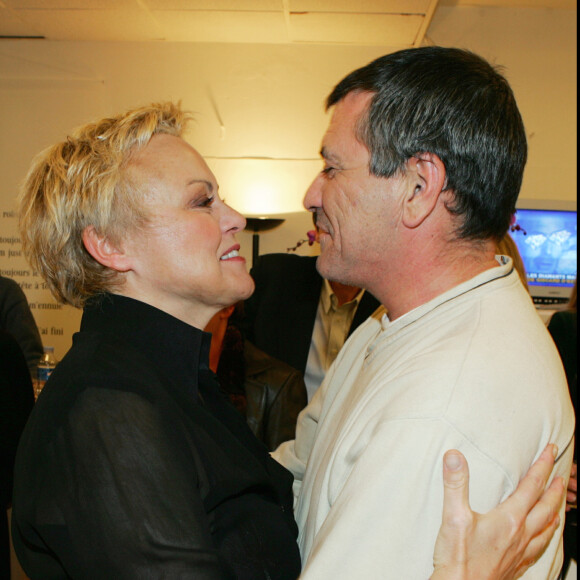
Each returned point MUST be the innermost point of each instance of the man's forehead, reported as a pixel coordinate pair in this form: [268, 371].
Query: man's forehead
[348, 111]
[352, 106]
[342, 135]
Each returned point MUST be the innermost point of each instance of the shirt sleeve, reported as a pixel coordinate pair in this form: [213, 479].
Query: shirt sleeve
[294, 454]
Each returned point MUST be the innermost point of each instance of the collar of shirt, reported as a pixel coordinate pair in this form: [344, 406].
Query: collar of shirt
[179, 350]
[504, 269]
[329, 299]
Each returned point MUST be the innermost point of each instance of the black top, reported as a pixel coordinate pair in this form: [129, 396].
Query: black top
[133, 465]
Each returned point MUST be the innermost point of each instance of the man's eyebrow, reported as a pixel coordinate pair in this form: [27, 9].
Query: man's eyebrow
[328, 156]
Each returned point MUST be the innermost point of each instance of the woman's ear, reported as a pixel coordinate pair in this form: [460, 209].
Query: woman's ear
[427, 175]
[104, 251]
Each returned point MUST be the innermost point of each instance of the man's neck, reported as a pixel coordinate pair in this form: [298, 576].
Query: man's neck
[422, 278]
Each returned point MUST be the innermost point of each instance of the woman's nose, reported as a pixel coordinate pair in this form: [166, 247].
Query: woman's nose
[233, 220]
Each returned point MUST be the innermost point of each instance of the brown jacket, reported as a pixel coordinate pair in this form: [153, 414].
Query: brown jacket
[275, 394]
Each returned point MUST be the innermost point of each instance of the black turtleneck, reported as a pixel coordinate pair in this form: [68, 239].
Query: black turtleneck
[134, 465]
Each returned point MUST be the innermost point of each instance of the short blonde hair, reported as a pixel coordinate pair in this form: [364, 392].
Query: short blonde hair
[83, 182]
[507, 247]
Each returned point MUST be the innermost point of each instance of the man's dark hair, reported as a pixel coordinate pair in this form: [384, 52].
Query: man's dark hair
[451, 103]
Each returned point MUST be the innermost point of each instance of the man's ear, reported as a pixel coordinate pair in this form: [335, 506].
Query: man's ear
[426, 173]
[103, 251]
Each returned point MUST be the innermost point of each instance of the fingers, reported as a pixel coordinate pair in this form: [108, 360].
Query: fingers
[517, 531]
[537, 546]
[532, 485]
[455, 488]
[544, 515]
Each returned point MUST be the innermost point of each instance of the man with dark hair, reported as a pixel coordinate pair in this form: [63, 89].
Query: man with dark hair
[423, 162]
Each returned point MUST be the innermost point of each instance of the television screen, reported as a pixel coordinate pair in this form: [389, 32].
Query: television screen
[547, 242]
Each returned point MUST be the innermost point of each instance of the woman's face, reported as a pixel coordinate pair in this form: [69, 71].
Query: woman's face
[185, 261]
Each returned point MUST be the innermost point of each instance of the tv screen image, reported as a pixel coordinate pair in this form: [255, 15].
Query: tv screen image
[547, 241]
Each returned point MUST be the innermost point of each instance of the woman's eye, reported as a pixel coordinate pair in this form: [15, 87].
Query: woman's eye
[328, 171]
[205, 201]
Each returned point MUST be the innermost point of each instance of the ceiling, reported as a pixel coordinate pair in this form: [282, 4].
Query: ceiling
[360, 22]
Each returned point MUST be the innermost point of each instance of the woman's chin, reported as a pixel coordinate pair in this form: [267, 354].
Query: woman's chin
[248, 290]
[243, 288]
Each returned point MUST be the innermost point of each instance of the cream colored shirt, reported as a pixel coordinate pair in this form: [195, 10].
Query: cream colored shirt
[329, 334]
[474, 370]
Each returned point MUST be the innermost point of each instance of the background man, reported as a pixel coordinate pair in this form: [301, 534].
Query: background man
[266, 391]
[297, 316]
[17, 319]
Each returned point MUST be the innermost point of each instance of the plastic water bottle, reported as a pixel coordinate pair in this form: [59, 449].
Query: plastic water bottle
[46, 365]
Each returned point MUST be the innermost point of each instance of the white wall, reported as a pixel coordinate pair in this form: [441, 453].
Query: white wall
[261, 101]
[537, 47]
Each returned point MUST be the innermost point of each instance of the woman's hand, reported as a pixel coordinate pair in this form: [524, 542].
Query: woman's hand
[503, 543]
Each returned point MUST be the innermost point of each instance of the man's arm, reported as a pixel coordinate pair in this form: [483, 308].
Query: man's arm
[503, 543]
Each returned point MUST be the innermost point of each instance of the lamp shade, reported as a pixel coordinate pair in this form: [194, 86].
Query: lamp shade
[262, 224]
